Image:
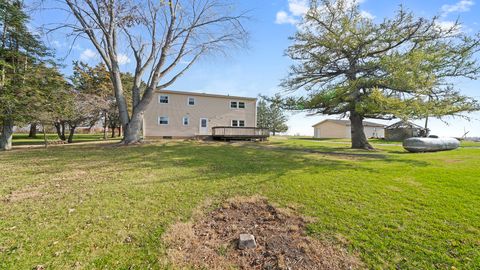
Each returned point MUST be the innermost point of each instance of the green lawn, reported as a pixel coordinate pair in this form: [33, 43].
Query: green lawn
[66, 207]
[23, 139]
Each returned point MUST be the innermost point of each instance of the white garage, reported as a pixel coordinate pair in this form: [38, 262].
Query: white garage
[340, 129]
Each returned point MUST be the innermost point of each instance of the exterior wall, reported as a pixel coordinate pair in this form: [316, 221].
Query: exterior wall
[400, 134]
[216, 109]
[374, 132]
[331, 130]
[339, 131]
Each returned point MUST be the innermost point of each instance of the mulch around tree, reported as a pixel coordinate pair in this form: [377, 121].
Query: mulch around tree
[211, 240]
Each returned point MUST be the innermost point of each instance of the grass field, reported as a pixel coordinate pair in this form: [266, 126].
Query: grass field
[22, 139]
[74, 207]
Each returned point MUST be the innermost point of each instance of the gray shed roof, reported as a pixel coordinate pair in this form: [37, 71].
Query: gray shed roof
[404, 124]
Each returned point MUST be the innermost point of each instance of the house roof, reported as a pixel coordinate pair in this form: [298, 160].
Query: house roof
[347, 123]
[404, 124]
[202, 94]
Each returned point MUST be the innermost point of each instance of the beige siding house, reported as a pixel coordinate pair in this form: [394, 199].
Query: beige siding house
[331, 128]
[188, 114]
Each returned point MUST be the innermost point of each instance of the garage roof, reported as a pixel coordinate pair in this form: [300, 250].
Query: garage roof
[347, 123]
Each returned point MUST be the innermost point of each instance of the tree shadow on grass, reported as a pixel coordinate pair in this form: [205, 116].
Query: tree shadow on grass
[347, 153]
[162, 182]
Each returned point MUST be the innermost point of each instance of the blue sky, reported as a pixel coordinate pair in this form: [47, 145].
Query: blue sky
[260, 68]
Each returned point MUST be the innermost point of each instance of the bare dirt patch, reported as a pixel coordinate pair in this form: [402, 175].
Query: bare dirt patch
[30, 192]
[211, 241]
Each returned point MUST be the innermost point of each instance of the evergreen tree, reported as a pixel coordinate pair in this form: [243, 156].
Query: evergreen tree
[20, 54]
[262, 114]
[402, 67]
[271, 115]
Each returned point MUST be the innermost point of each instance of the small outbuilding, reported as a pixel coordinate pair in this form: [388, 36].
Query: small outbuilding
[341, 129]
[403, 130]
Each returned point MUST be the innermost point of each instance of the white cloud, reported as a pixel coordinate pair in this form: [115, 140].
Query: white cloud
[123, 59]
[461, 6]
[447, 25]
[367, 15]
[297, 7]
[88, 55]
[284, 18]
[58, 44]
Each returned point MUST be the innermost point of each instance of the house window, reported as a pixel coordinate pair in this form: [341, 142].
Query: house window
[237, 104]
[191, 101]
[186, 121]
[163, 120]
[238, 123]
[163, 99]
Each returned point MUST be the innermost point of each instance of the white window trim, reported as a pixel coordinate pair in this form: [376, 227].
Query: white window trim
[206, 121]
[238, 123]
[238, 105]
[194, 101]
[188, 121]
[230, 104]
[168, 120]
[160, 97]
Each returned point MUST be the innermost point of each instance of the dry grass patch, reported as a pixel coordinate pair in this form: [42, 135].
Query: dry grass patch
[30, 192]
[210, 240]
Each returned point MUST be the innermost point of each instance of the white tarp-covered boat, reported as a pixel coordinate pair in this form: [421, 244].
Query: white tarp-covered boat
[430, 144]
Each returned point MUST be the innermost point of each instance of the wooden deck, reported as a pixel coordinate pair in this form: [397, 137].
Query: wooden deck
[240, 133]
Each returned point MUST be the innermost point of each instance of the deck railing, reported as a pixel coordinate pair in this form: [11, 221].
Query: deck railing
[240, 132]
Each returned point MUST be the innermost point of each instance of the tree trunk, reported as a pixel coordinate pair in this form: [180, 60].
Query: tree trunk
[132, 134]
[273, 132]
[70, 136]
[33, 130]
[120, 131]
[105, 126]
[6, 136]
[359, 140]
[44, 136]
[113, 131]
[60, 127]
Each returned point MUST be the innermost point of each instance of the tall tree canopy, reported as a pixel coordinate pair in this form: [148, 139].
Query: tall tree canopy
[400, 67]
[271, 115]
[21, 54]
[165, 38]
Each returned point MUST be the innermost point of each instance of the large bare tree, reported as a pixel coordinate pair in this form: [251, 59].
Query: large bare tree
[165, 38]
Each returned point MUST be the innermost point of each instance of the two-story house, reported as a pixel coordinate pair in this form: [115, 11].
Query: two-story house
[176, 114]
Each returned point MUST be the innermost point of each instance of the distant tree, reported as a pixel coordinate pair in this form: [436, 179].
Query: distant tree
[20, 53]
[401, 67]
[51, 102]
[271, 115]
[94, 80]
[165, 38]
[83, 110]
[262, 114]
